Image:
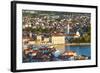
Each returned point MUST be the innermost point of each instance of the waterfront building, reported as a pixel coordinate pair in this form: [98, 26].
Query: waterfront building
[58, 39]
[77, 35]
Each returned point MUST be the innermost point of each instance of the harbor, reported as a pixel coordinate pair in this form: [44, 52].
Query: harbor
[45, 50]
[62, 53]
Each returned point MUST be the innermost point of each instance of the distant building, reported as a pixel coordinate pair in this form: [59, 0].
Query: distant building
[77, 35]
[58, 39]
[46, 40]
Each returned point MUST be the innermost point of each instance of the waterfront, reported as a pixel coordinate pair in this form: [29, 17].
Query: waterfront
[58, 53]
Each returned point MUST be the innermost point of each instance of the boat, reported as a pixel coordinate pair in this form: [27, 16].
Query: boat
[70, 54]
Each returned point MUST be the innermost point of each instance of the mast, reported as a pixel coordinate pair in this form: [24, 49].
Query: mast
[68, 31]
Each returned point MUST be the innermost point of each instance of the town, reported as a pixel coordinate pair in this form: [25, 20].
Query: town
[48, 36]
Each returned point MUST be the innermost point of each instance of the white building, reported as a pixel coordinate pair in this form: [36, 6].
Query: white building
[77, 35]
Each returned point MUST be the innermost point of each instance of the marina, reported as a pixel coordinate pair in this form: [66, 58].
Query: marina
[57, 53]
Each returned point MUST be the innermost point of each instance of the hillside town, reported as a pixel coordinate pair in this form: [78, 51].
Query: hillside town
[47, 33]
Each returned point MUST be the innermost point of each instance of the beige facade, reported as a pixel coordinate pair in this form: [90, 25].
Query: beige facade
[58, 39]
[46, 39]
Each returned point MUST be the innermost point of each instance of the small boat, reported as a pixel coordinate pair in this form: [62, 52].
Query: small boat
[47, 49]
[57, 53]
[80, 57]
[70, 53]
[34, 52]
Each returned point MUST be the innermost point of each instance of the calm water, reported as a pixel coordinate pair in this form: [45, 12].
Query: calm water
[81, 50]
